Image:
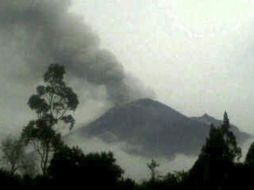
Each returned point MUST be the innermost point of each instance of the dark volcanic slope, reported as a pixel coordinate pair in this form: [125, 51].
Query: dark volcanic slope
[154, 128]
[208, 120]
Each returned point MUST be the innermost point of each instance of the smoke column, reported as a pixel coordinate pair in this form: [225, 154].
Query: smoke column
[40, 32]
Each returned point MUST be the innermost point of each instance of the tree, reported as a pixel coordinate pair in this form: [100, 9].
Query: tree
[71, 168]
[152, 167]
[221, 143]
[53, 104]
[66, 164]
[217, 157]
[102, 167]
[29, 166]
[250, 156]
[234, 151]
[215, 147]
[53, 101]
[13, 153]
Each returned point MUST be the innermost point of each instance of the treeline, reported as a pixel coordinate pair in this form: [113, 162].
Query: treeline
[40, 159]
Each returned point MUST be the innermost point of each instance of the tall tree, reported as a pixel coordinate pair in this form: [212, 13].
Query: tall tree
[234, 151]
[53, 103]
[217, 156]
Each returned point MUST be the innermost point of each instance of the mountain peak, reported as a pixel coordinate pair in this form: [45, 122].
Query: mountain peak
[207, 116]
[151, 128]
[145, 101]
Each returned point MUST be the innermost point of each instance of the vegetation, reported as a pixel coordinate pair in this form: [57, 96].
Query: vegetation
[152, 167]
[216, 168]
[13, 153]
[52, 104]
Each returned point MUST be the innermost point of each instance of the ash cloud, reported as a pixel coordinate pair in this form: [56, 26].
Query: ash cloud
[40, 32]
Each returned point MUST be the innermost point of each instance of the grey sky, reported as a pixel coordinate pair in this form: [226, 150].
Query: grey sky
[196, 54]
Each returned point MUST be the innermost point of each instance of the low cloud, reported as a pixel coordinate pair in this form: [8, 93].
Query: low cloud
[135, 166]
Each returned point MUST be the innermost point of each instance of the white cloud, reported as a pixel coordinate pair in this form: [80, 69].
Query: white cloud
[135, 166]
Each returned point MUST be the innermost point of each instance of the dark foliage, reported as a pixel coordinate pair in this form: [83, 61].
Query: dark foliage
[53, 103]
[71, 168]
[9, 180]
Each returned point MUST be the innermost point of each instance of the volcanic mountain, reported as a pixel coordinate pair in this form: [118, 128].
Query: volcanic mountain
[208, 120]
[153, 129]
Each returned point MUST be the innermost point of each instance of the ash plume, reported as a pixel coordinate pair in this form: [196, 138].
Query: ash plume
[40, 32]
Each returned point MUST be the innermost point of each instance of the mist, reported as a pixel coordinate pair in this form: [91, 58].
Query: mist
[135, 166]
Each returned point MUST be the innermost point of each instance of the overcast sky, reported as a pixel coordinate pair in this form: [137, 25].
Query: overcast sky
[196, 55]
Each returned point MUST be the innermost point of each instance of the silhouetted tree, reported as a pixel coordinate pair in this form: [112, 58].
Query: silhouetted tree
[246, 175]
[250, 156]
[175, 180]
[67, 164]
[221, 143]
[234, 151]
[211, 170]
[71, 168]
[12, 153]
[152, 167]
[52, 103]
[102, 167]
[127, 184]
[44, 141]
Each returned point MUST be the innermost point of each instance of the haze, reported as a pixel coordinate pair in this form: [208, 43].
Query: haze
[195, 55]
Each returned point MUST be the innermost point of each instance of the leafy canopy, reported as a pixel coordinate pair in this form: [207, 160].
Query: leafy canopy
[53, 103]
[54, 100]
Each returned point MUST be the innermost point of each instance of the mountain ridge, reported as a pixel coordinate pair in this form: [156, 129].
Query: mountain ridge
[154, 128]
